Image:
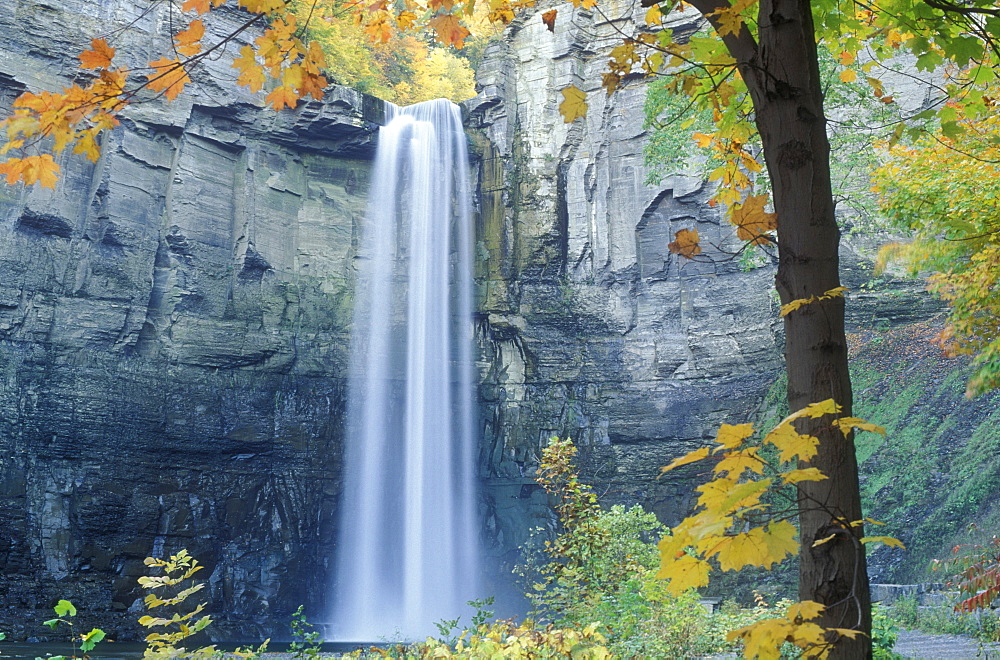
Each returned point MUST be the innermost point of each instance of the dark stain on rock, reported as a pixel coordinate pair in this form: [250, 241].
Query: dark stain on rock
[43, 224]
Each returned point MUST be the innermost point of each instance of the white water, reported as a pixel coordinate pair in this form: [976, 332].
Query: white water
[407, 551]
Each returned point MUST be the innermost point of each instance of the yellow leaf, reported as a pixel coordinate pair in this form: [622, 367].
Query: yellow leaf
[574, 103]
[738, 462]
[251, 73]
[845, 424]
[684, 572]
[731, 437]
[814, 410]
[805, 610]
[98, 57]
[848, 75]
[823, 540]
[791, 443]
[846, 58]
[809, 635]
[685, 243]
[847, 632]
[804, 474]
[888, 540]
[690, 457]
[752, 221]
[780, 540]
[725, 495]
[87, 144]
[703, 139]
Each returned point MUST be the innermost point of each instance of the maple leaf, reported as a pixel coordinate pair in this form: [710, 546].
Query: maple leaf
[845, 424]
[752, 221]
[804, 610]
[684, 572]
[98, 57]
[187, 40]
[38, 169]
[574, 103]
[405, 20]
[448, 30]
[738, 462]
[848, 75]
[251, 73]
[199, 6]
[703, 139]
[685, 243]
[549, 18]
[746, 549]
[283, 96]
[436, 5]
[791, 443]
[687, 458]
[803, 474]
[169, 77]
[730, 436]
[86, 144]
[888, 540]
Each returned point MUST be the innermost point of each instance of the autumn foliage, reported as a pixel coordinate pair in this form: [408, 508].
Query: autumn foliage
[745, 518]
[946, 190]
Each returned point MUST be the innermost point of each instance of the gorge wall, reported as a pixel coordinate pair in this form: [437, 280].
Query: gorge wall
[173, 326]
[590, 327]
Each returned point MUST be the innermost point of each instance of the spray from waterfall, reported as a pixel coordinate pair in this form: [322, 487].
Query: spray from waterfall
[407, 550]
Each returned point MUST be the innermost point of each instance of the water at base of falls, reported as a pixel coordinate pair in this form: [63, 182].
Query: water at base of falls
[407, 552]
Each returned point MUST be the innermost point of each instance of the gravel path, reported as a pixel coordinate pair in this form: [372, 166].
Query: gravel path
[915, 644]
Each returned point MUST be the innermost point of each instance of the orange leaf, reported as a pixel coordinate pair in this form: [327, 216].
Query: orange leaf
[98, 57]
[685, 243]
[169, 77]
[200, 6]
[283, 96]
[449, 31]
[251, 73]
[752, 221]
[405, 20]
[41, 169]
[549, 18]
[187, 40]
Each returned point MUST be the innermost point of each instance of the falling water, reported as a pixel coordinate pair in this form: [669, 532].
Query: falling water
[407, 547]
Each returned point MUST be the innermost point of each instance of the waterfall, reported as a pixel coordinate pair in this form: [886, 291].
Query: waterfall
[407, 548]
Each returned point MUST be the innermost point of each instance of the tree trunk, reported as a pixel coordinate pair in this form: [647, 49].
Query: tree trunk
[788, 101]
[781, 71]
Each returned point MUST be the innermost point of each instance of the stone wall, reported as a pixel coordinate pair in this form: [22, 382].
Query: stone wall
[173, 330]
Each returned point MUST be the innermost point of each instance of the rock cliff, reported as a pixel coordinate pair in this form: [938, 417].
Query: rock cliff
[173, 324]
[591, 328]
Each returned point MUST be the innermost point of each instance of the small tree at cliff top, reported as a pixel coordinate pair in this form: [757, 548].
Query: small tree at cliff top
[757, 74]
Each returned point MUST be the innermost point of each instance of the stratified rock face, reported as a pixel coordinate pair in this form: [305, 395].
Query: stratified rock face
[173, 330]
[591, 328]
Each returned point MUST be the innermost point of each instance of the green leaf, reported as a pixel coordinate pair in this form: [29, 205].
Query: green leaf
[65, 608]
[51, 623]
[90, 640]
